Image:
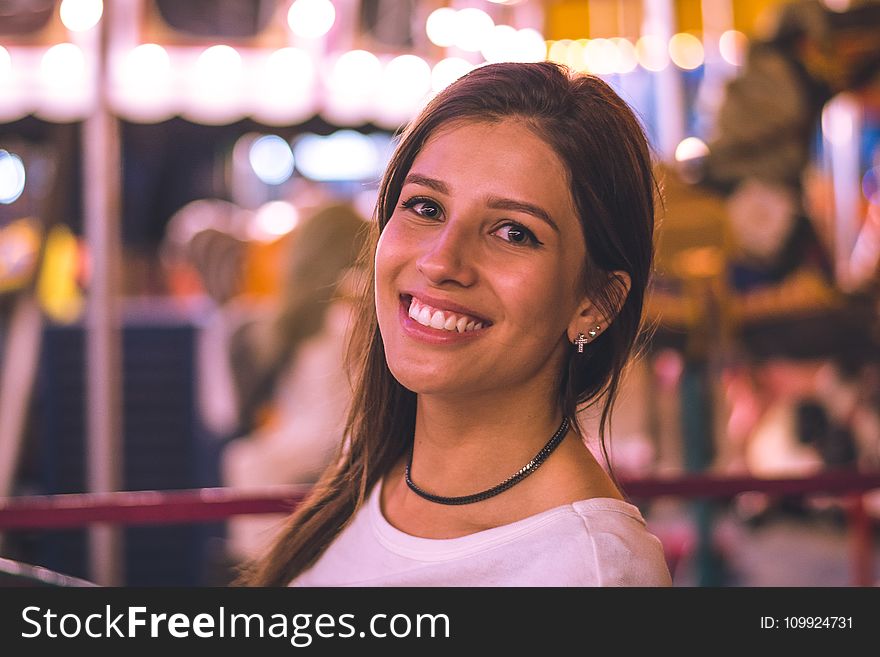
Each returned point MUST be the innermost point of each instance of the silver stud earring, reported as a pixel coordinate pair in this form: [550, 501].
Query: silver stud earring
[582, 339]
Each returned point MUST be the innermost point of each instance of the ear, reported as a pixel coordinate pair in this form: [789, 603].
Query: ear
[589, 320]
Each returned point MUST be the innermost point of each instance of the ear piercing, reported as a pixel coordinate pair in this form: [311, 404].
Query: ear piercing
[582, 339]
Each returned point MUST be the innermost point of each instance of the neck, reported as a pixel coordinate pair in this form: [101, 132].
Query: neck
[467, 444]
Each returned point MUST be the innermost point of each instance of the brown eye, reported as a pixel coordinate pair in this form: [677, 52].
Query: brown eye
[423, 207]
[426, 209]
[516, 234]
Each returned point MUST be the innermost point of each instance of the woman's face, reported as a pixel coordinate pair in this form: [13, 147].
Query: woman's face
[478, 271]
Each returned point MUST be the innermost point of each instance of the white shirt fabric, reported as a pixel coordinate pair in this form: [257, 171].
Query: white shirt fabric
[594, 542]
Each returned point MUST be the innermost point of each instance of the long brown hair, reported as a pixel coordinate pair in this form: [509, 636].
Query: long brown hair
[607, 157]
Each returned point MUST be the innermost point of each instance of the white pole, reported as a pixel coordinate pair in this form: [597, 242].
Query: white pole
[659, 21]
[841, 127]
[101, 167]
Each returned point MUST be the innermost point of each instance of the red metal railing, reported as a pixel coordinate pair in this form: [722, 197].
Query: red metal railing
[207, 504]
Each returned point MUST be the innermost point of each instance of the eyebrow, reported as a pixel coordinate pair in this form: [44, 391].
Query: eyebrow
[494, 202]
[497, 203]
[433, 183]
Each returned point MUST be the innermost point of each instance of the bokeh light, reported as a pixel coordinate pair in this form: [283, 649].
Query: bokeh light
[627, 58]
[311, 19]
[837, 125]
[66, 87]
[557, 51]
[733, 45]
[345, 155]
[143, 89]
[601, 56]
[472, 28]
[686, 51]
[63, 65]
[406, 83]
[5, 64]
[271, 159]
[214, 89]
[576, 57]
[80, 15]
[12, 177]
[441, 26]
[273, 220]
[652, 52]
[285, 87]
[447, 71]
[351, 86]
[690, 148]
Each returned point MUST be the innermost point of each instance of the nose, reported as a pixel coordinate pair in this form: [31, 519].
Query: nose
[447, 256]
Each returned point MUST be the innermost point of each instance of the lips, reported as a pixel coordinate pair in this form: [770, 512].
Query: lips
[442, 315]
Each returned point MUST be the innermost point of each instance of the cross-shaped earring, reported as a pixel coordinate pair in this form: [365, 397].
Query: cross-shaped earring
[582, 339]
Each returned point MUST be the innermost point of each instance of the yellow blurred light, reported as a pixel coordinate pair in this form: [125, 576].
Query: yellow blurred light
[57, 288]
[601, 56]
[576, 57]
[627, 58]
[686, 51]
[732, 45]
[690, 148]
[273, 220]
[557, 51]
[19, 253]
[652, 53]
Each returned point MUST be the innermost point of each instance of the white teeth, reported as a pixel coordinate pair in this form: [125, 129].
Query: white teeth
[438, 319]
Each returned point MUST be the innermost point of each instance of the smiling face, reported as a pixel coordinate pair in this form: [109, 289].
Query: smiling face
[479, 268]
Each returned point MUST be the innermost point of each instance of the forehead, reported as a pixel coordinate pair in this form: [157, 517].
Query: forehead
[502, 158]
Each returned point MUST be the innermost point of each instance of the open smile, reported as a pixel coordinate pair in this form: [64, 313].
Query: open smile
[439, 320]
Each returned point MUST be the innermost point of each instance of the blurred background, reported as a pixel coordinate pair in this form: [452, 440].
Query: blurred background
[183, 185]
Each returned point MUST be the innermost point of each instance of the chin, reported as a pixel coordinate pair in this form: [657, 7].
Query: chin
[425, 380]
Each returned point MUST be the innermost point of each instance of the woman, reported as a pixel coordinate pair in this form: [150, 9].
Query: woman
[512, 246]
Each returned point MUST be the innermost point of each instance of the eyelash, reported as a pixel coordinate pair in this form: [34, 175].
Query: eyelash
[531, 240]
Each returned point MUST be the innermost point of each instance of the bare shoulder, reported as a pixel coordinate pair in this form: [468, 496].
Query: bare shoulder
[577, 475]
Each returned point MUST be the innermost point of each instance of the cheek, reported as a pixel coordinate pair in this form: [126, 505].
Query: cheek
[543, 307]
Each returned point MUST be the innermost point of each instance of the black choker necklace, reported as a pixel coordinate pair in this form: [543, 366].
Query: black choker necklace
[521, 474]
